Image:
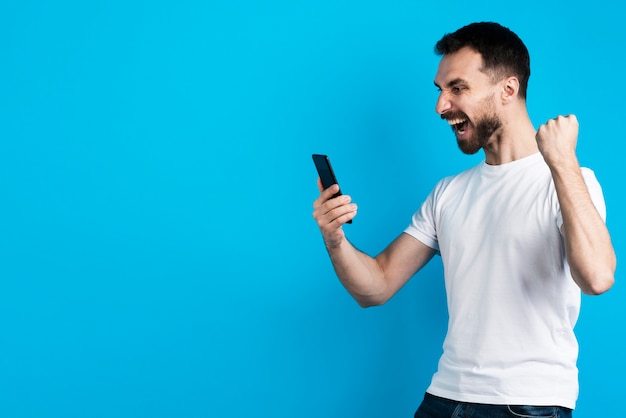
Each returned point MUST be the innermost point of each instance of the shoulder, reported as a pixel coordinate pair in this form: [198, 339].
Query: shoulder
[456, 180]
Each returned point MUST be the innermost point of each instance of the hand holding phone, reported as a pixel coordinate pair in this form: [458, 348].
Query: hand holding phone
[326, 173]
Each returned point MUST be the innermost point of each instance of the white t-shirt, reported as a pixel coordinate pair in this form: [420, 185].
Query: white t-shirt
[511, 298]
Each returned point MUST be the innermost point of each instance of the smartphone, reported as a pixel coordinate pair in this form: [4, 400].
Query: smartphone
[326, 173]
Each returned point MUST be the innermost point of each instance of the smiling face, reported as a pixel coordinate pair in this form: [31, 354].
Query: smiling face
[467, 99]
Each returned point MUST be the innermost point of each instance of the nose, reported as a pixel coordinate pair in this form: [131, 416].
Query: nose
[443, 104]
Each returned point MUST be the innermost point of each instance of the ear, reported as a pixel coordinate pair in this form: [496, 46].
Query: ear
[510, 89]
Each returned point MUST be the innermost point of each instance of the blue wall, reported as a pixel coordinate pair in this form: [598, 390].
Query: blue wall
[157, 252]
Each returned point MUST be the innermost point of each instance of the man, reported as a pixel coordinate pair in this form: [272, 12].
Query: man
[520, 235]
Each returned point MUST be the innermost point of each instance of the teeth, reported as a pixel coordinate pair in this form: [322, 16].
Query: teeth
[453, 122]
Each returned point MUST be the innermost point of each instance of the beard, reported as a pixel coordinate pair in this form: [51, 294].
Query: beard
[483, 128]
[483, 131]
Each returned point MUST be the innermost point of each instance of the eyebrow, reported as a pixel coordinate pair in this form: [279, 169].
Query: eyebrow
[452, 83]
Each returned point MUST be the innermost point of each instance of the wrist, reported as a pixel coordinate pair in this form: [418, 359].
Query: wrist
[563, 163]
[334, 243]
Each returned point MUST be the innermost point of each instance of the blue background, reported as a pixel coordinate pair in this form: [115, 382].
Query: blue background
[157, 252]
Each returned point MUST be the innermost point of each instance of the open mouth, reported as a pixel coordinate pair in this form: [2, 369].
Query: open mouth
[458, 125]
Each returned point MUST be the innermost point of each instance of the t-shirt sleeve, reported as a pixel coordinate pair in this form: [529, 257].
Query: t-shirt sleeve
[423, 223]
[595, 191]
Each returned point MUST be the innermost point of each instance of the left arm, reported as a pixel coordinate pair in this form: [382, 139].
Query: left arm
[588, 246]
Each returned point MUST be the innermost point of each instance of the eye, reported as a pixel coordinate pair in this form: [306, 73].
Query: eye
[457, 89]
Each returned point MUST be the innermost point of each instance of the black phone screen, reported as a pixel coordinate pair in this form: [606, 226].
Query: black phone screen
[324, 170]
[326, 173]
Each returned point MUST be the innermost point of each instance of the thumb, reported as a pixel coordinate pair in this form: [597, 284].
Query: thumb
[319, 184]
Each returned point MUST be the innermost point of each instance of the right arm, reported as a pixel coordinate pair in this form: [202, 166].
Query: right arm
[370, 281]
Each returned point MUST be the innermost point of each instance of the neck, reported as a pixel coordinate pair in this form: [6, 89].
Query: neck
[515, 140]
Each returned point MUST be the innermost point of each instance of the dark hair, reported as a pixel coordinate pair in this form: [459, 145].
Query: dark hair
[503, 52]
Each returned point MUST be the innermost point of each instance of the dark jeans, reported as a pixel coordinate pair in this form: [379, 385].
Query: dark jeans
[435, 407]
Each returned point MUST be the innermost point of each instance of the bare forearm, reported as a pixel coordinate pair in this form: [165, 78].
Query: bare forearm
[359, 273]
[588, 246]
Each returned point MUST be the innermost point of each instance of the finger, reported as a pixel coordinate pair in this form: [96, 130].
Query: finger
[329, 192]
[573, 119]
[325, 211]
[564, 122]
[324, 194]
[564, 118]
[334, 188]
[333, 220]
[333, 204]
[341, 214]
